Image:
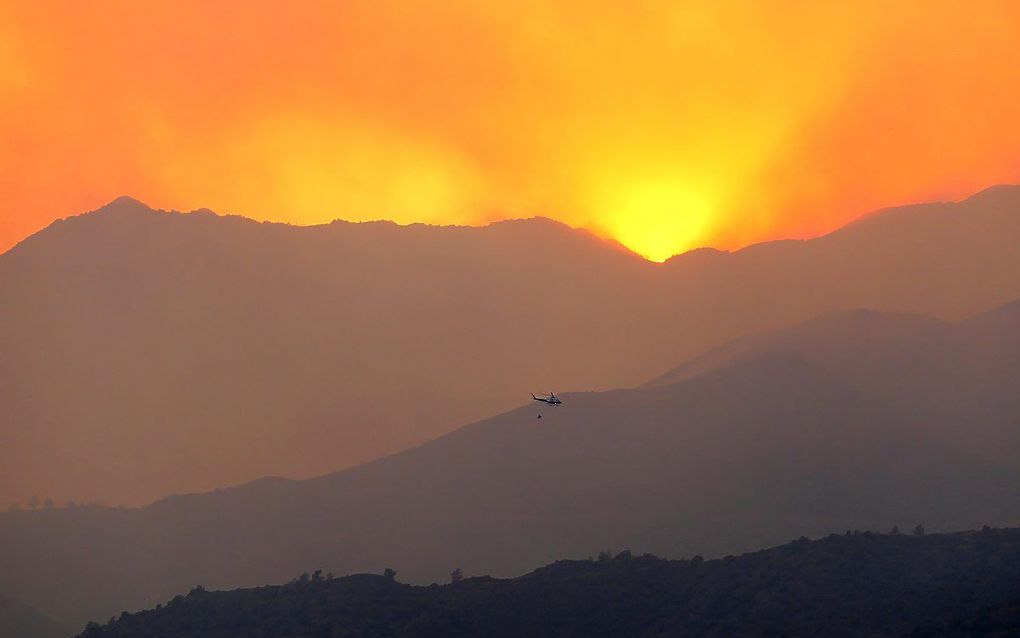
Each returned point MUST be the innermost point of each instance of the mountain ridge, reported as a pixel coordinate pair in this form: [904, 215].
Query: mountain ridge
[246, 349]
[126, 207]
[771, 445]
[127, 204]
[857, 584]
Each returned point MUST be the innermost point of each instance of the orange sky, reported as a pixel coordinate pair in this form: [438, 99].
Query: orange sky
[664, 124]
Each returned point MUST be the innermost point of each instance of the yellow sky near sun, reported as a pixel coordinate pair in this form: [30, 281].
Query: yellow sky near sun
[664, 125]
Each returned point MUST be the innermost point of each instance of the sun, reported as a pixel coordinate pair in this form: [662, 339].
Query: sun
[658, 218]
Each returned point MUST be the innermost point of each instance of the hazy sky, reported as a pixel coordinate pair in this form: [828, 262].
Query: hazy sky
[666, 125]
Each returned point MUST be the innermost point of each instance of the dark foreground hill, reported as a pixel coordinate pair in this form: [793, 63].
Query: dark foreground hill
[995, 621]
[859, 584]
[147, 353]
[854, 420]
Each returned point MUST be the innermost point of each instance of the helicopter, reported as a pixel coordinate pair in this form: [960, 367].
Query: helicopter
[550, 399]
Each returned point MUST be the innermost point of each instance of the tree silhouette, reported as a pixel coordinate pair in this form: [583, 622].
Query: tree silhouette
[791, 590]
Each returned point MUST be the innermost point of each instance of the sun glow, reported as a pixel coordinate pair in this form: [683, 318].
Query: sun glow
[664, 125]
[655, 217]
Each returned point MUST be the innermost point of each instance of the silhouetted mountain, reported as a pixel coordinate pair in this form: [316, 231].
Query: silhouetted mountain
[845, 340]
[845, 422]
[959, 379]
[148, 353]
[18, 620]
[853, 585]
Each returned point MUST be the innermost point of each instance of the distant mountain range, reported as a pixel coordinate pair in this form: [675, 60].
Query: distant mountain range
[854, 585]
[18, 620]
[147, 353]
[854, 420]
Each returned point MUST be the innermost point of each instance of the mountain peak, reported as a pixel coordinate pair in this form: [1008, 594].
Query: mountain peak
[126, 201]
[1000, 193]
[699, 256]
[124, 205]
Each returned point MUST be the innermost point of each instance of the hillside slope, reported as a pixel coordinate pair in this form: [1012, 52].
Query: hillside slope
[803, 439]
[854, 585]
